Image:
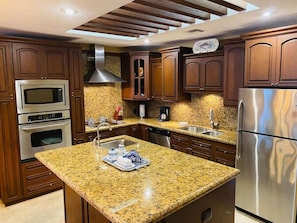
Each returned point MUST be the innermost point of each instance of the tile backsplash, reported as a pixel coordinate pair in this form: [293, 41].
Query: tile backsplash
[102, 99]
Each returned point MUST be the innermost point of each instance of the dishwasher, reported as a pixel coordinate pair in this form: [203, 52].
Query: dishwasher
[159, 136]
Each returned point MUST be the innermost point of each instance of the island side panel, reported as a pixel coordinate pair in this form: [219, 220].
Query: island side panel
[215, 207]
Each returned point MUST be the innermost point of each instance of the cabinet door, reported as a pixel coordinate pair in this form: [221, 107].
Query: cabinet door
[144, 133]
[156, 78]
[140, 77]
[170, 75]
[286, 66]
[27, 61]
[213, 69]
[233, 72]
[10, 183]
[192, 74]
[77, 96]
[180, 142]
[55, 62]
[6, 75]
[260, 59]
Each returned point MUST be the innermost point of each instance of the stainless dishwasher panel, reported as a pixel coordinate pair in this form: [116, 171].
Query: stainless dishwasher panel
[159, 136]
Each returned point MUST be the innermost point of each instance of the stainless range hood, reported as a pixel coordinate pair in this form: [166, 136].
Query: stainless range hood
[99, 74]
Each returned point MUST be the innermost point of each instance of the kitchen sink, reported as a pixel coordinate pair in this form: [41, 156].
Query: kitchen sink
[196, 129]
[115, 143]
[202, 130]
[212, 133]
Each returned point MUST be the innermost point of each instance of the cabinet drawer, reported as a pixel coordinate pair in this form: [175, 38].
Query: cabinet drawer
[180, 140]
[38, 179]
[225, 154]
[201, 149]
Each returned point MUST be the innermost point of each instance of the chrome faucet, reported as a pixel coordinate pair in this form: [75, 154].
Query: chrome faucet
[211, 118]
[96, 140]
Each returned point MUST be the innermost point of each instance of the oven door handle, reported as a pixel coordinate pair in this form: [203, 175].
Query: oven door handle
[44, 126]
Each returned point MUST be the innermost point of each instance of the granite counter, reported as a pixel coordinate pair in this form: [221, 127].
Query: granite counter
[171, 181]
[228, 137]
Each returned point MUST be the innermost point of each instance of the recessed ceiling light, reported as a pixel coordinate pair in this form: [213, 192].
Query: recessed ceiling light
[267, 14]
[69, 11]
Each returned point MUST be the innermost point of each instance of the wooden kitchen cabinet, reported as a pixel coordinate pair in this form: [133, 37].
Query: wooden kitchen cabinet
[137, 75]
[10, 168]
[224, 154]
[203, 148]
[144, 132]
[172, 73]
[270, 58]
[36, 61]
[233, 71]
[204, 72]
[38, 179]
[77, 210]
[180, 142]
[156, 78]
[76, 96]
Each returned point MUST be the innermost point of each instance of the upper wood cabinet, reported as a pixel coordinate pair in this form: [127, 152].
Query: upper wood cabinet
[233, 72]
[156, 78]
[270, 58]
[33, 61]
[204, 72]
[137, 75]
[172, 73]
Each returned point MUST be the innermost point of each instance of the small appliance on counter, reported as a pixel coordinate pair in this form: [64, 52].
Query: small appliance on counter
[164, 114]
[141, 111]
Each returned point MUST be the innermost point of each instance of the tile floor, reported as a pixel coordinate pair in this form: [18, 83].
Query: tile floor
[49, 209]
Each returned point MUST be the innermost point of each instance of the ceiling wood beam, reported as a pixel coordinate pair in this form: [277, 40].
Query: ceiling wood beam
[153, 11]
[124, 25]
[113, 17]
[176, 8]
[136, 15]
[237, 5]
[204, 5]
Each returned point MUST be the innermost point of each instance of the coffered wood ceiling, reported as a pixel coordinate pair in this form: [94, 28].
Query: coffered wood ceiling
[142, 17]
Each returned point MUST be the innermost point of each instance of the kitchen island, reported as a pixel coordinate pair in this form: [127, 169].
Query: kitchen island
[175, 187]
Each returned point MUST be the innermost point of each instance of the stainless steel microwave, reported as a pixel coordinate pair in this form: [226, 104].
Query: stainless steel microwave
[41, 95]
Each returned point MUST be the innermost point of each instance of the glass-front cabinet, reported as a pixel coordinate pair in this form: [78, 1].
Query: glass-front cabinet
[139, 64]
[137, 86]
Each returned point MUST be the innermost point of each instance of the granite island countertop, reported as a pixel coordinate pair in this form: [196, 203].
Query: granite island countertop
[171, 181]
[228, 137]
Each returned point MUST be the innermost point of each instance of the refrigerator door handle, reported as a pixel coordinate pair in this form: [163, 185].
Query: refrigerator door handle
[239, 123]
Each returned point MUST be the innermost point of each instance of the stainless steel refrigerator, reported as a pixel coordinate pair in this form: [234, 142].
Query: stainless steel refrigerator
[266, 153]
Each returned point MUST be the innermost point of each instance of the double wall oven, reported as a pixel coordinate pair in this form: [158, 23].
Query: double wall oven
[43, 115]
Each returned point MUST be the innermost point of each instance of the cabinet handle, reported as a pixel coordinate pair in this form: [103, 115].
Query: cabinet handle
[11, 97]
[276, 84]
[272, 84]
[50, 173]
[50, 185]
[72, 93]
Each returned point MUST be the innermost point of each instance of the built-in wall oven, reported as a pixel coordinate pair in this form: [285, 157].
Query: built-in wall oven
[43, 115]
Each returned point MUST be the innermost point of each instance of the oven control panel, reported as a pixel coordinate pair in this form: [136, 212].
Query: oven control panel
[43, 116]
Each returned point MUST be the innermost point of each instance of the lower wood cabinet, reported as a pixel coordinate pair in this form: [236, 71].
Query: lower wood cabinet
[38, 179]
[77, 210]
[216, 206]
[206, 149]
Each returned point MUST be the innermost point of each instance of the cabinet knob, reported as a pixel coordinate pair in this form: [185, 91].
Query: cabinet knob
[272, 84]
[51, 185]
[11, 97]
[72, 93]
[276, 84]
[50, 173]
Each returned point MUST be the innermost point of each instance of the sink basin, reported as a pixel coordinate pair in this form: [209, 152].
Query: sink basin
[115, 143]
[195, 129]
[212, 133]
